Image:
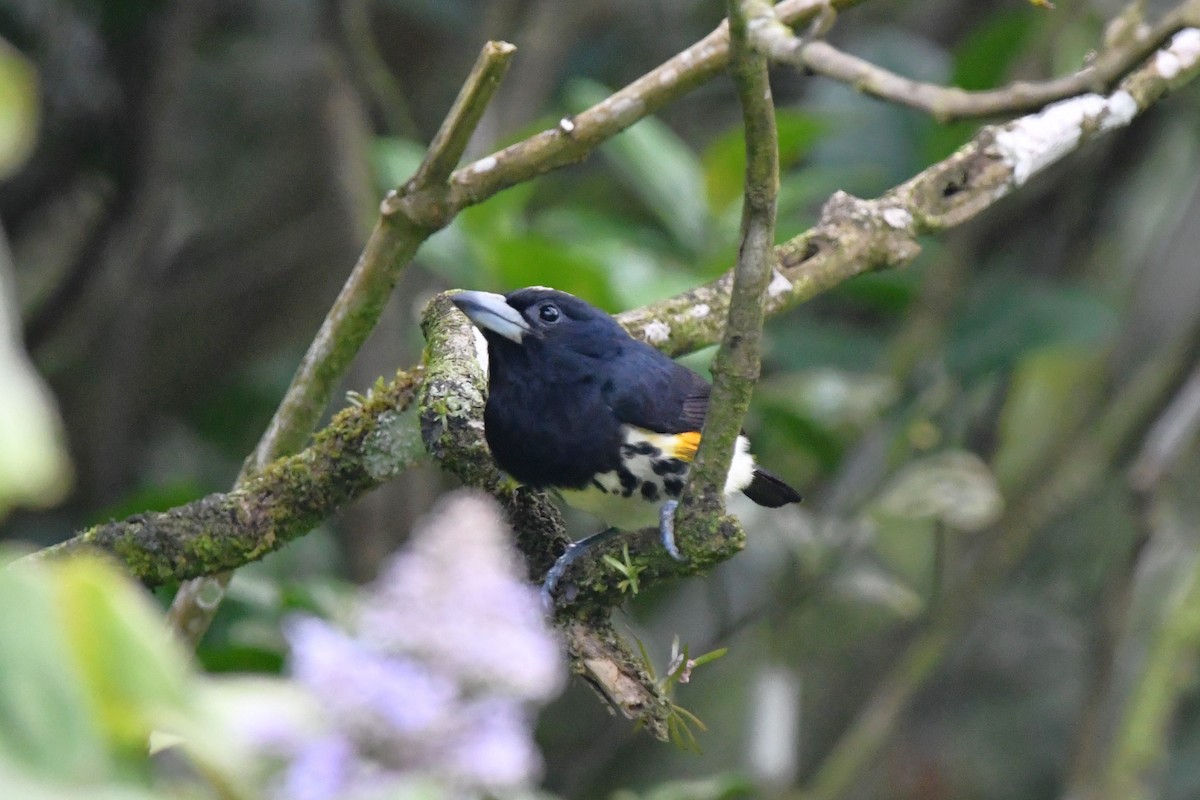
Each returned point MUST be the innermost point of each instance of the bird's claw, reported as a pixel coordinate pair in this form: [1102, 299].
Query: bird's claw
[570, 556]
[666, 529]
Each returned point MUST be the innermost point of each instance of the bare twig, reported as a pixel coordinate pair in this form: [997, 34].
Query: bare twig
[451, 139]
[946, 103]
[352, 317]
[575, 138]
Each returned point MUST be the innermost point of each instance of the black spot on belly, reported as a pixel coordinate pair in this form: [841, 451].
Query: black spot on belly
[650, 490]
[629, 481]
[599, 486]
[669, 466]
[673, 485]
[639, 449]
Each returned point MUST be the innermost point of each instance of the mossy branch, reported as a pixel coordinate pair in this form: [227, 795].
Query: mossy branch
[363, 446]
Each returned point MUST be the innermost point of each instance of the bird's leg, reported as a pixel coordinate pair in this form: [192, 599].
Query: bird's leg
[666, 529]
[570, 555]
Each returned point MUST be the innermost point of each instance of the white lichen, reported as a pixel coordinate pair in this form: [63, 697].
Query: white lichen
[1183, 53]
[1032, 143]
[628, 107]
[897, 217]
[699, 311]
[486, 164]
[779, 284]
[657, 332]
[481, 350]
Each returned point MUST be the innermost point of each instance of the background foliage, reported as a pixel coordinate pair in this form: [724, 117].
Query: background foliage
[183, 187]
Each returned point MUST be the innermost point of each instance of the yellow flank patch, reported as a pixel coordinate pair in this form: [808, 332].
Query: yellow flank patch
[685, 445]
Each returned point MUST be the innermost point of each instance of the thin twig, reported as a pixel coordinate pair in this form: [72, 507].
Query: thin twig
[736, 367]
[947, 103]
[452, 137]
[351, 318]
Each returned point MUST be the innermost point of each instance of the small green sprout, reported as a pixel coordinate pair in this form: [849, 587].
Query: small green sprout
[679, 670]
[627, 568]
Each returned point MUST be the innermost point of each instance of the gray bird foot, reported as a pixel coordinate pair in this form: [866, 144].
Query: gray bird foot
[570, 556]
[666, 529]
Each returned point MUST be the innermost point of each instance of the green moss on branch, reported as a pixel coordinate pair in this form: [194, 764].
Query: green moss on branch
[363, 446]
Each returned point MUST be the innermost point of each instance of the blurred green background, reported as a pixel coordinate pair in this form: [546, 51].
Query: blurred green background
[184, 186]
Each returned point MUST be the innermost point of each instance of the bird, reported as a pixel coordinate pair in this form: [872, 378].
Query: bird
[611, 424]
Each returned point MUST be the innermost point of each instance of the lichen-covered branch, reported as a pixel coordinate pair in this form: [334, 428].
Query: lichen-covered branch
[856, 236]
[736, 367]
[363, 446]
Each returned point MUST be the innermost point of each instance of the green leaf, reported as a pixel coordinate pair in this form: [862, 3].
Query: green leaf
[18, 109]
[133, 671]
[1011, 316]
[34, 466]
[1042, 406]
[876, 588]
[954, 487]
[17, 783]
[47, 720]
[658, 167]
[725, 158]
[711, 655]
[534, 260]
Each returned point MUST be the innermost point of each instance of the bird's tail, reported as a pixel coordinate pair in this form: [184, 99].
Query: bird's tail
[767, 490]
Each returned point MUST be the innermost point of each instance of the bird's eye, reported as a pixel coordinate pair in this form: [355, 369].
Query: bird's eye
[549, 313]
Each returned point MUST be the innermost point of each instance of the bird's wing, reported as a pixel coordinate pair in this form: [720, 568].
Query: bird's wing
[653, 392]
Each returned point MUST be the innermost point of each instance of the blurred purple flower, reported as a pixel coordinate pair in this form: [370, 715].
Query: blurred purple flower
[320, 770]
[361, 686]
[457, 597]
[450, 651]
[494, 750]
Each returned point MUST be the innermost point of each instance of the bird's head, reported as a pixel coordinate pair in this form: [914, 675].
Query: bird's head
[538, 319]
